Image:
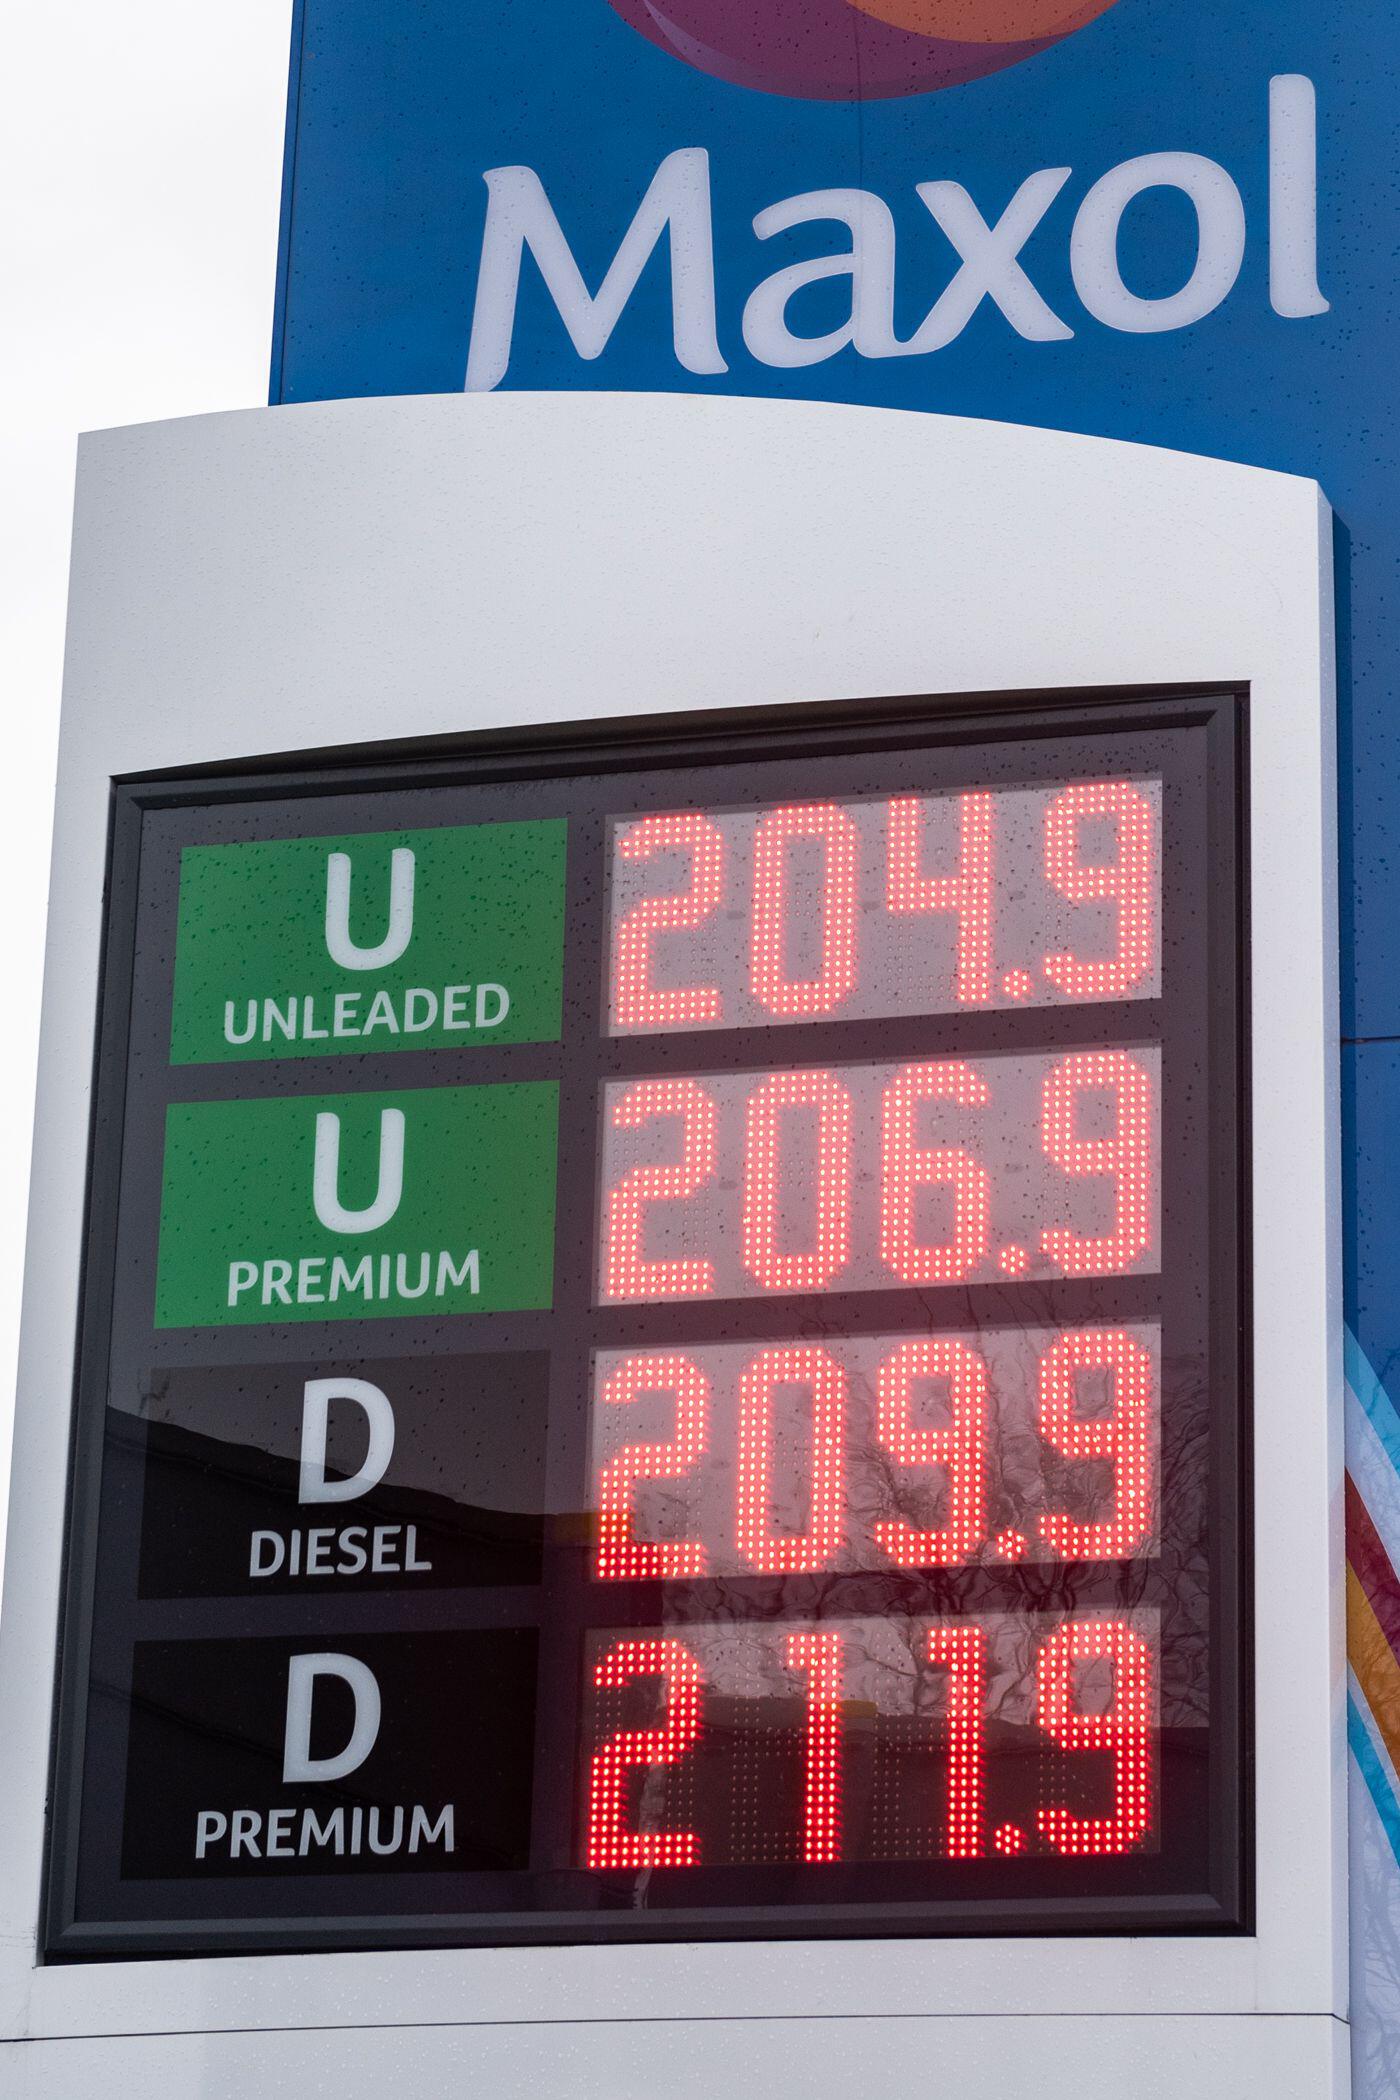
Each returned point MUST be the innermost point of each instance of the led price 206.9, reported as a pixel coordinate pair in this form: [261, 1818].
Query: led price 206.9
[758, 1186]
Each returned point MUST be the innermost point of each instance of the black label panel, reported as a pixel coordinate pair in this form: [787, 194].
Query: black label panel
[271, 1758]
[273, 1478]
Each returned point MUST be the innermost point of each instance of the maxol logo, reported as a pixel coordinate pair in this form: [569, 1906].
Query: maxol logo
[855, 50]
[856, 231]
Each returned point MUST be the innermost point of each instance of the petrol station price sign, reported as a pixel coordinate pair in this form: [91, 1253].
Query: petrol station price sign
[662, 1346]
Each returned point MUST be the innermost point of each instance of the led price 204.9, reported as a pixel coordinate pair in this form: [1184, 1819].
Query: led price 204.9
[843, 901]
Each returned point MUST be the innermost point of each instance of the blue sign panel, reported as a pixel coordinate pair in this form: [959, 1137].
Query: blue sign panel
[1157, 225]
[1132, 218]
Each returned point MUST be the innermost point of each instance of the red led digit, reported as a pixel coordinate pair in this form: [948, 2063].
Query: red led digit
[821, 1657]
[907, 1167]
[961, 1448]
[1125, 1436]
[968, 893]
[1126, 1156]
[627, 1273]
[610, 1842]
[961, 1650]
[1129, 880]
[621, 1555]
[1124, 1731]
[637, 1002]
[787, 996]
[812, 1268]
[803, 1553]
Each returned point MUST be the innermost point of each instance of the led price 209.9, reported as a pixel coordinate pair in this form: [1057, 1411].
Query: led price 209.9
[1118, 1439]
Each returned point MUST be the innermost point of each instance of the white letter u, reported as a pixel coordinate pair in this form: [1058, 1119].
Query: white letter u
[333, 1214]
[348, 953]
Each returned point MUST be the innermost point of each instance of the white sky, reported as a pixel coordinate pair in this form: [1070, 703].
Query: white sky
[140, 172]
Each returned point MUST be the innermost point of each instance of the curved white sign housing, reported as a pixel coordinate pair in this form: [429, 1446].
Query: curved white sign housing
[693, 1436]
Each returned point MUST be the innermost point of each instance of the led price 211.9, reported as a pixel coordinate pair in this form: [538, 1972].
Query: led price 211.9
[1112, 1720]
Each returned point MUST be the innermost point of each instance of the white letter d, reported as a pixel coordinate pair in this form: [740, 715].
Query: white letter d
[297, 1762]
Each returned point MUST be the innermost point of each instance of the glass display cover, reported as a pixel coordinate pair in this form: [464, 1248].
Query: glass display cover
[661, 1352]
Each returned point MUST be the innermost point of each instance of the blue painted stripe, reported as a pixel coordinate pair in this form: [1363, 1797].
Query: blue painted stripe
[1374, 1399]
[1377, 1481]
[1373, 1772]
[1368, 1721]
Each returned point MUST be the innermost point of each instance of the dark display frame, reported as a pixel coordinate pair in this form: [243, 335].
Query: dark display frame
[748, 756]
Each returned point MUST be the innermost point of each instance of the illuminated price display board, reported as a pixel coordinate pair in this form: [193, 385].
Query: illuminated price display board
[662, 1352]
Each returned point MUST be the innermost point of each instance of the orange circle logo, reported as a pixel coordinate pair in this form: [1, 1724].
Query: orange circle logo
[855, 50]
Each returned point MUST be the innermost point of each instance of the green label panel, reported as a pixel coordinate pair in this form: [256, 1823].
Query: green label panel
[391, 940]
[358, 1206]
